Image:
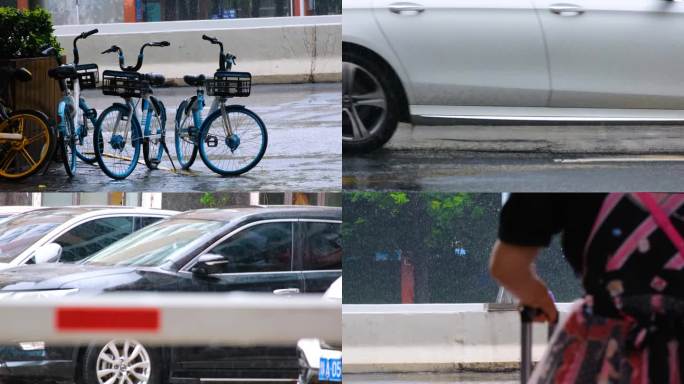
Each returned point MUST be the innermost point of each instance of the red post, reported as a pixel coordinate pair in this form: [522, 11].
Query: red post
[22, 4]
[297, 4]
[408, 281]
[129, 11]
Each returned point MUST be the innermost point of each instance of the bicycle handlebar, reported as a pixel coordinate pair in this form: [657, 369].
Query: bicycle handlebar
[139, 63]
[225, 60]
[83, 35]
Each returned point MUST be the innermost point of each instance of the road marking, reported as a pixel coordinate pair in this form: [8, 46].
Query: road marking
[632, 159]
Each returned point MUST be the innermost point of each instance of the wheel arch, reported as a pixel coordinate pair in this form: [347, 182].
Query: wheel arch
[397, 84]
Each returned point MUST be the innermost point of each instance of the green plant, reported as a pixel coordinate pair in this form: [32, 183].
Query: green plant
[24, 32]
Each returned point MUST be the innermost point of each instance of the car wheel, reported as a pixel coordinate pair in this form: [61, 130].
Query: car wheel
[121, 362]
[370, 109]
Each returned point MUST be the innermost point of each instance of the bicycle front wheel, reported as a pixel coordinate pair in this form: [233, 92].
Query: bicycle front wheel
[67, 144]
[153, 150]
[26, 144]
[117, 142]
[235, 144]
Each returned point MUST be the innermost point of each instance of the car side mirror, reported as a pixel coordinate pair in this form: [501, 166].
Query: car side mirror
[210, 264]
[48, 253]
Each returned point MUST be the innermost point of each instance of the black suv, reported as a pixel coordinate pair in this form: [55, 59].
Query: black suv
[283, 250]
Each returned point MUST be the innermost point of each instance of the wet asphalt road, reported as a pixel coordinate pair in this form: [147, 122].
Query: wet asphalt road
[523, 159]
[303, 154]
[416, 378]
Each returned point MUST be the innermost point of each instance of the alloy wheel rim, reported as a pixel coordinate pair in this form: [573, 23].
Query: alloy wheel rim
[364, 103]
[123, 362]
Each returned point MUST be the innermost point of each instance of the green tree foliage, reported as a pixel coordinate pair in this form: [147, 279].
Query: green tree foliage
[24, 33]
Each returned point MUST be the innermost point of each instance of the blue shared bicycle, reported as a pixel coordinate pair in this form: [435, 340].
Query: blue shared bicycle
[75, 123]
[119, 133]
[232, 139]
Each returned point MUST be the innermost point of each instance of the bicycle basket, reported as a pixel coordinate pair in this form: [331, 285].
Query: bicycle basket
[230, 84]
[88, 76]
[123, 84]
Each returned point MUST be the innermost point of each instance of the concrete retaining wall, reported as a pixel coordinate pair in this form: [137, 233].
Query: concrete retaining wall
[433, 337]
[274, 50]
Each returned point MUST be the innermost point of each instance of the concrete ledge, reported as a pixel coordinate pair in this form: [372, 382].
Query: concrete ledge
[274, 50]
[434, 338]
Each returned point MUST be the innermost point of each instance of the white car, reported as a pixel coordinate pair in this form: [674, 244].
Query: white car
[11, 210]
[318, 361]
[440, 62]
[68, 234]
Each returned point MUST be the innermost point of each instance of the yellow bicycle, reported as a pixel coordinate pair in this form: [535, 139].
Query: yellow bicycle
[26, 140]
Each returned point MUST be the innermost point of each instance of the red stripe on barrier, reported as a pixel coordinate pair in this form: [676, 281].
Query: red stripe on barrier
[107, 319]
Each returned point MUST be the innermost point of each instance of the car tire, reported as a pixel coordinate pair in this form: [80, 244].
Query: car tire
[370, 105]
[92, 360]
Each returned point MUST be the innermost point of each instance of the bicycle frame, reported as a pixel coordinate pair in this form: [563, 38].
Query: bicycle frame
[217, 103]
[146, 113]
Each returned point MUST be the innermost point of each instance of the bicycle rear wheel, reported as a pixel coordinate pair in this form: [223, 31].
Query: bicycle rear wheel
[153, 150]
[26, 144]
[117, 142]
[84, 142]
[185, 137]
[233, 155]
[67, 144]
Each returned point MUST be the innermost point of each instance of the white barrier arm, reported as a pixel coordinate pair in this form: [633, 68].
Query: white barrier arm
[171, 319]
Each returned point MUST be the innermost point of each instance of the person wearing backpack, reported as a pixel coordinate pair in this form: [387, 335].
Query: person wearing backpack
[628, 250]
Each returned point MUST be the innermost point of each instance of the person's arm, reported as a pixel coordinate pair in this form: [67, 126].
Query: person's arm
[512, 266]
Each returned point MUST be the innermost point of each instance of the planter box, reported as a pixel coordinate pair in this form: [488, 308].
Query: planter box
[41, 93]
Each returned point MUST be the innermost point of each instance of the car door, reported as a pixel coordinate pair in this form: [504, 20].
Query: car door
[468, 52]
[260, 259]
[320, 250]
[615, 54]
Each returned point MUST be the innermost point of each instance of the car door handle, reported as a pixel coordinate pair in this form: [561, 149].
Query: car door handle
[286, 291]
[566, 9]
[408, 9]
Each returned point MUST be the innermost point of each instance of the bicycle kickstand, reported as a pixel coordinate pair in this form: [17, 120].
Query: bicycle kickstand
[168, 154]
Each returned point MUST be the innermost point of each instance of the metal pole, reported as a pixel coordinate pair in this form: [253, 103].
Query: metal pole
[302, 8]
[78, 16]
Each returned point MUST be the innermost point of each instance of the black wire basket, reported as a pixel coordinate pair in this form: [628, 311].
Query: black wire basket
[123, 84]
[88, 76]
[230, 84]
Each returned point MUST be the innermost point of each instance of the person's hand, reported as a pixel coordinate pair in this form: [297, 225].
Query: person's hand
[543, 301]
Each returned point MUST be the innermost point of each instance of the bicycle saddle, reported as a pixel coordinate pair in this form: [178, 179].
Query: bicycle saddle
[63, 72]
[194, 81]
[21, 74]
[155, 79]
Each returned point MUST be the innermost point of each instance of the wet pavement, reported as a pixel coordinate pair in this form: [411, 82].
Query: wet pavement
[523, 158]
[304, 147]
[416, 378]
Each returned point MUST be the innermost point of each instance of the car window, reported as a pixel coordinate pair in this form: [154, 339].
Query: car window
[262, 248]
[143, 222]
[19, 232]
[322, 246]
[88, 238]
[158, 245]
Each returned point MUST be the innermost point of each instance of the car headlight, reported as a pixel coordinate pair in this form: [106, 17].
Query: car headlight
[21, 295]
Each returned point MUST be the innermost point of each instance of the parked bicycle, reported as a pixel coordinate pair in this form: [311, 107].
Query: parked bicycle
[73, 123]
[27, 141]
[232, 139]
[118, 132]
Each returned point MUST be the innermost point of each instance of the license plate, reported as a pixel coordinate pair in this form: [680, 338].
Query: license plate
[330, 370]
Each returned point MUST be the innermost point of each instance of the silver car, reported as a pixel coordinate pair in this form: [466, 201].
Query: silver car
[68, 234]
[439, 62]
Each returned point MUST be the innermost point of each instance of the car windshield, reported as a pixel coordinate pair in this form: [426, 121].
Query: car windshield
[19, 232]
[155, 245]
